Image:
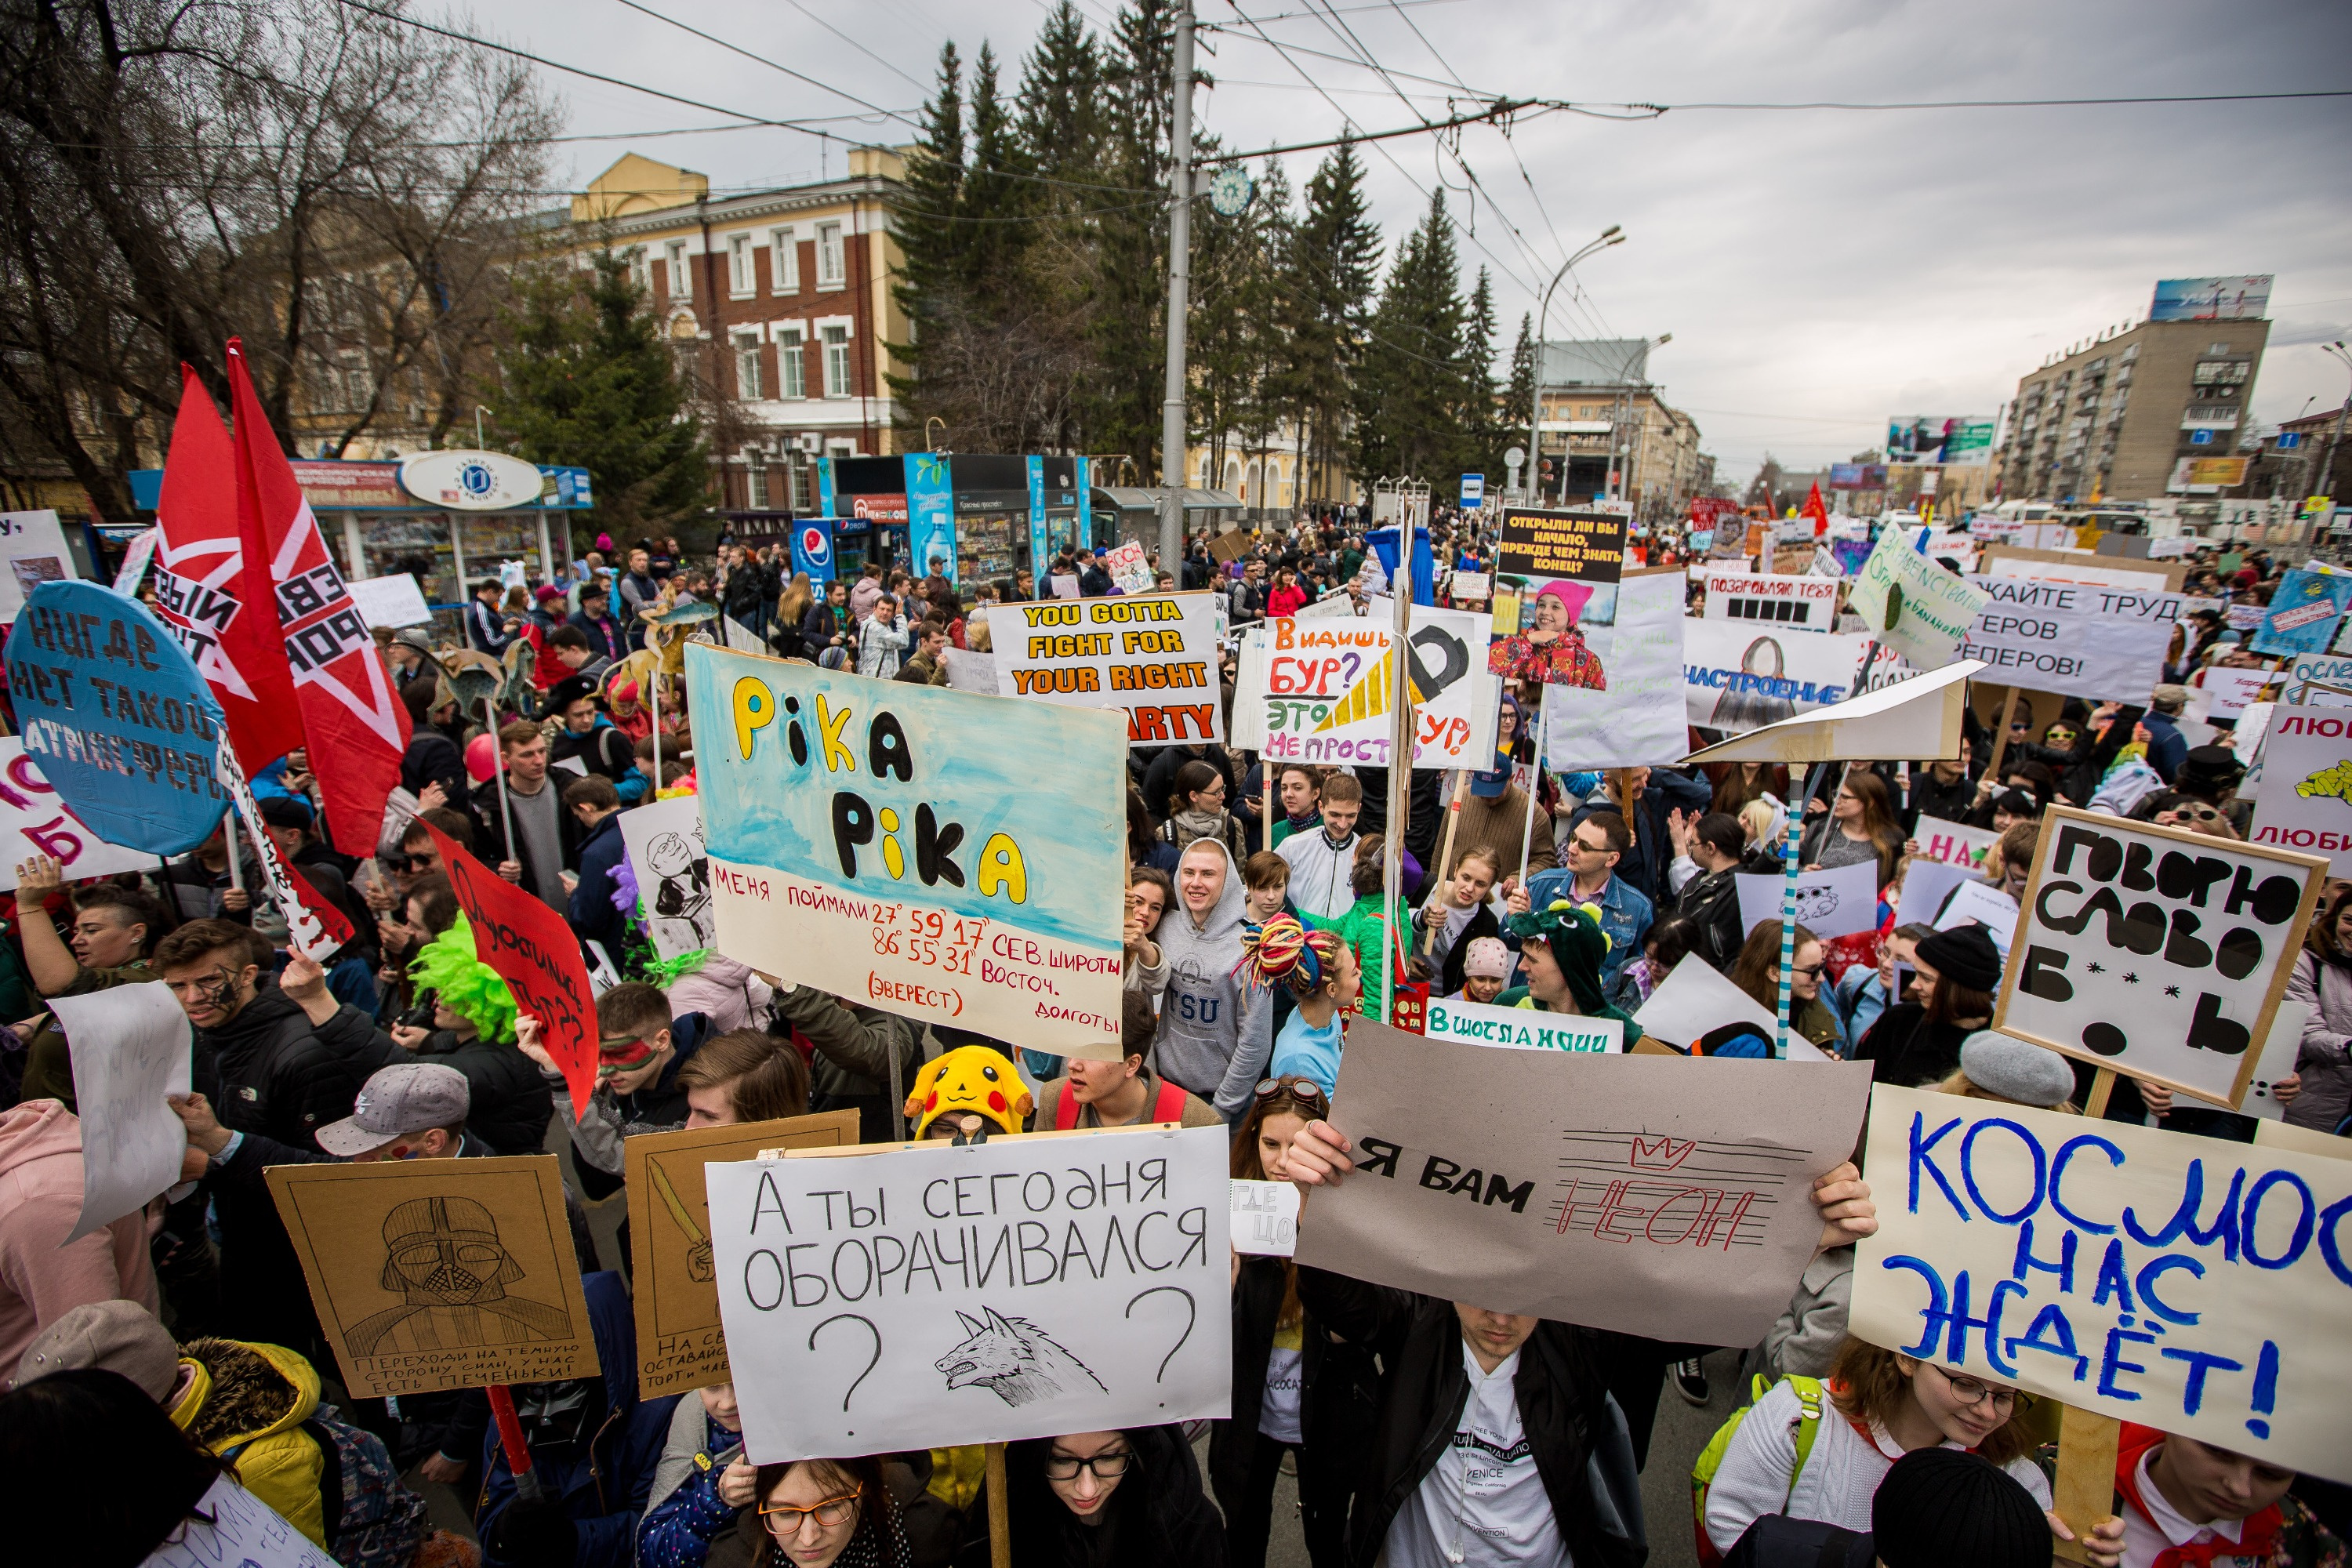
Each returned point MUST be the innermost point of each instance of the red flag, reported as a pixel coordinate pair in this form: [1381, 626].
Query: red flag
[212, 592]
[536, 954]
[356, 725]
[1818, 510]
[325, 910]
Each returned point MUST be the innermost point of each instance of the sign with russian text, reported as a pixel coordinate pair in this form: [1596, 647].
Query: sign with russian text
[2303, 612]
[1152, 658]
[2153, 1277]
[942, 854]
[2304, 800]
[1915, 605]
[2154, 952]
[1953, 843]
[1318, 690]
[34, 821]
[536, 952]
[1807, 601]
[928, 1295]
[1656, 1195]
[2073, 639]
[1264, 1218]
[1555, 595]
[1737, 678]
[114, 715]
[1521, 1028]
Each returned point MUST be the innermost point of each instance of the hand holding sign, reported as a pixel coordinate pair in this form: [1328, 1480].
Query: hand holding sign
[537, 955]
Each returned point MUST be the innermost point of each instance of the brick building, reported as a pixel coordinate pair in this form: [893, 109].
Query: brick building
[779, 302]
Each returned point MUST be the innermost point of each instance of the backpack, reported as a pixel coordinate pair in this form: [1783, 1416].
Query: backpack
[1167, 1105]
[1808, 1391]
[370, 1520]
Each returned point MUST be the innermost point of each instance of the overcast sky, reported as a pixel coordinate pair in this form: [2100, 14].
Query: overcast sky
[1819, 271]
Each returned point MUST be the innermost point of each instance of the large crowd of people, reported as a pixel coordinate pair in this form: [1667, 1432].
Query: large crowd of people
[150, 1356]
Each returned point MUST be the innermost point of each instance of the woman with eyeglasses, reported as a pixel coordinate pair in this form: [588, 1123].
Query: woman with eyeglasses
[1103, 1499]
[1877, 1407]
[1757, 971]
[1859, 829]
[1295, 1387]
[816, 1514]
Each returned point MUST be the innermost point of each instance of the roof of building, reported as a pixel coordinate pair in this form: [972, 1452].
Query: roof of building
[1595, 362]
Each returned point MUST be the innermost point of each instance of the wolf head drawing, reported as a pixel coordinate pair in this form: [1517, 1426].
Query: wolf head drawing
[1013, 1358]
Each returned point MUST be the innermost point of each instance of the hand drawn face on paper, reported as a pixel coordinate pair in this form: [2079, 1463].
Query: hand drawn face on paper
[1014, 1358]
[444, 1258]
[1816, 904]
[681, 893]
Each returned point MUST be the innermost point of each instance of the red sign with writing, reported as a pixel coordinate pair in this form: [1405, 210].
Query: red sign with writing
[534, 951]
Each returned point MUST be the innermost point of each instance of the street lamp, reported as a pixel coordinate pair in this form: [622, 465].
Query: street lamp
[1612, 235]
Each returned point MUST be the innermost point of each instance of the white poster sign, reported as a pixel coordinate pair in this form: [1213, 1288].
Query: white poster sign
[2224, 693]
[1696, 999]
[1152, 658]
[970, 671]
[32, 551]
[1980, 903]
[1953, 843]
[2073, 1259]
[34, 821]
[1841, 901]
[230, 1525]
[390, 602]
[2157, 953]
[1265, 1219]
[2332, 669]
[2073, 638]
[1318, 690]
[131, 1046]
[2304, 799]
[1928, 886]
[1129, 567]
[1915, 605]
[1521, 1028]
[664, 841]
[1808, 602]
[1637, 722]
[931, 1296]
[1737, 678]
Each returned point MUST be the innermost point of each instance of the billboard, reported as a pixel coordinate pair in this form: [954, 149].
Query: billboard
[1927, 439]
[2203, 476]
[2210, 298]
[1857, 476]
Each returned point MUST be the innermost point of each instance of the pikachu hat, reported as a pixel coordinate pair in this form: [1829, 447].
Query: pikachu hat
[972, 1079]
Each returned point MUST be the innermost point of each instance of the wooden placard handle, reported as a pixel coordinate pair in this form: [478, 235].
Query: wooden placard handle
[2085, 1491]
[999, 1520]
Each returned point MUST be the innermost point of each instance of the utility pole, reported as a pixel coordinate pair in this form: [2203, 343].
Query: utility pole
[1610, 236]
[1180, 270]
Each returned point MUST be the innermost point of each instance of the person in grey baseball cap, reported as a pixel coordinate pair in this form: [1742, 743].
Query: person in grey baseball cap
[409, 1110]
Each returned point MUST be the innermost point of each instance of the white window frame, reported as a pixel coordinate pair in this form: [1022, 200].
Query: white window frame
[641, 271]
[755, 478]
[845, 384]
[832, 256]
[740, 272]
[790, 339]
[678, 277]
[745, 341]
[840, 449]
[783, 261]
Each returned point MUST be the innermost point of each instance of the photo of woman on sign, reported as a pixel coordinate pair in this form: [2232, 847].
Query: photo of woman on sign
[1551, 649]
[1748, 705]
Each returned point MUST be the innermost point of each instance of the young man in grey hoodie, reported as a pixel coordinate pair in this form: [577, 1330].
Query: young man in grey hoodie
[1216, 1033]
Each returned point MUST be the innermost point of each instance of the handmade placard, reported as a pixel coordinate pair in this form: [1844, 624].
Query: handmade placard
[1521, 1028]
[1153, 658]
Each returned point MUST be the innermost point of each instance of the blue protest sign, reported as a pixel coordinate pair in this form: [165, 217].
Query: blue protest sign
[112, 710]
[813, 548]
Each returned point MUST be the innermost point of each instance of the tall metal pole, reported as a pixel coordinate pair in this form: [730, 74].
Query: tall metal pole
[1180, 271]
[1609, 236]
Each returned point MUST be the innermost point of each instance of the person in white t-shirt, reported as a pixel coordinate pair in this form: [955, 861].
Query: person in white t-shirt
[1498, 1441]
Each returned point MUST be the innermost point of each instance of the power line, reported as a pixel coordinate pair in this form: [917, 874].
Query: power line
[762, 59]
[861, 49]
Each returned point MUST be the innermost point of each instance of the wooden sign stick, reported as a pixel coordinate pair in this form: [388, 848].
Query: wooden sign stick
[1445, 853]
[1000, 1511]
[2001, 739]
[2086, 1489]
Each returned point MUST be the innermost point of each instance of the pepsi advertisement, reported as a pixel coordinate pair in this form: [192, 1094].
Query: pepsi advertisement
[812, 548]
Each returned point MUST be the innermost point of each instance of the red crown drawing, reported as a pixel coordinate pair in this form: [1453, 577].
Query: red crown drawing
[1660, 1153]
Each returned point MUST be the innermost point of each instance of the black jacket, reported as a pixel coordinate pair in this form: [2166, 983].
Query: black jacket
[1159, 777]
[1157, 1518]
[508, 1104]
[747, 586]
[1338, 1401]
[1904, 1050]
[603, 751]
[1930, 797]
[1713, 901]
[1564, 1406]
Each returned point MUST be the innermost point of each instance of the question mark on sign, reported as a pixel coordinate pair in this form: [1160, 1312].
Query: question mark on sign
[870, 1365]
[1355, 661]
[1191, 1317]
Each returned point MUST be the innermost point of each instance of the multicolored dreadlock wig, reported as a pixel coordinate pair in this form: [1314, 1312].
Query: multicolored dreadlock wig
[466, 985]
[1578, 945]
[1283, 951]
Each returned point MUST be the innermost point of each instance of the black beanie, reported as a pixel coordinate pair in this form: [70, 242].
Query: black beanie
[1967, 955]
[1947, 1507]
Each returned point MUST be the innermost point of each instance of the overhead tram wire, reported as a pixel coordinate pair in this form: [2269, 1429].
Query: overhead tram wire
[771, 65]
[861, 49]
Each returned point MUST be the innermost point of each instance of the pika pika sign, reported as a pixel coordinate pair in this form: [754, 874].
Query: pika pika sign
[998, 867]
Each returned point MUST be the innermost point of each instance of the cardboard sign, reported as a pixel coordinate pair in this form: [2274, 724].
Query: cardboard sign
[1918, 720]
[1807, 603]
[2075, 639]
[1319, 690]
[1739, 677]
[949, 857]
[1130, 566]
[1656, 1195]
[2302, 1139]
[927, 1296]
[390, 602]
[433, 1274]
[2159, 952]
[131, 1048]
[535, 953]
[1953, 843]
[2149, 1276]
[1696, 999]
[1638, 721]
[34, 821]
[1841, 901]
[2221, 693]
[1153, 658]
[229, 1524]
[2304, 799]
[676, 1294]
[2304, 613]
[113, 713]
[970, 671]
[664, 841]
[1521, 1028]
[1265, 1219]
[1554, 595]
[1912, 602]
[32, 551]
[2323, 668]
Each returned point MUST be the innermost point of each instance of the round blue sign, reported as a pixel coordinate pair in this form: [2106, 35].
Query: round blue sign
[115, 715]
[817, 544]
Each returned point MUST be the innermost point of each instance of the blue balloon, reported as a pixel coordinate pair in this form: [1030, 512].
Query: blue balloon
[113, 712]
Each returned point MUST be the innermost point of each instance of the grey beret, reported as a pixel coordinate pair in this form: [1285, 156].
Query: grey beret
[2017, 1070]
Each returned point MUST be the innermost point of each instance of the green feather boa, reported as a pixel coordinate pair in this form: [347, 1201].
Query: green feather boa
[466, 985]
